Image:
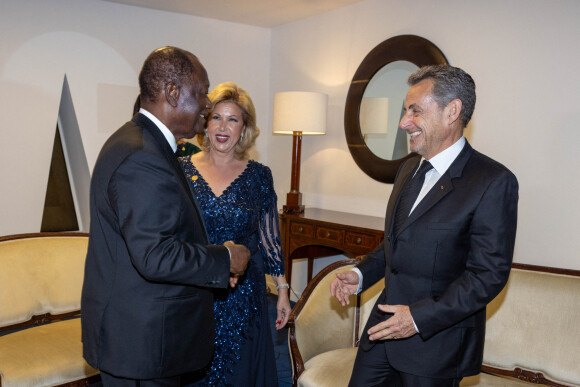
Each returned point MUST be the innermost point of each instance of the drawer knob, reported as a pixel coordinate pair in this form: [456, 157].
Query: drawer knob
[327, 234]
[300, 229]
[358, 240]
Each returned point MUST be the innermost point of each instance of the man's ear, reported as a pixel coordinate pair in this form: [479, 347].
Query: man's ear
[453, 110]
[172, 93]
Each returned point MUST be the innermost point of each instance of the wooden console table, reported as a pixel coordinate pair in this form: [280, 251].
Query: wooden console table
[321, 233]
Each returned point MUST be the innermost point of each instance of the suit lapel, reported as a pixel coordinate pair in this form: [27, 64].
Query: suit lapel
[438, 192]
[443, 187]
[166, 150]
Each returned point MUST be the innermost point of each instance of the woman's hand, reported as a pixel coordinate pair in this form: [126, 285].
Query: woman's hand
[283, 308]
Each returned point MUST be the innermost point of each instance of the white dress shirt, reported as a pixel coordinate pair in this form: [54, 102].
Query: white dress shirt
[441, 163]
[166, 132]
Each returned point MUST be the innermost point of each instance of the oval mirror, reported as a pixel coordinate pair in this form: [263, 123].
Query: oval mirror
[375, 100]
[381, 108]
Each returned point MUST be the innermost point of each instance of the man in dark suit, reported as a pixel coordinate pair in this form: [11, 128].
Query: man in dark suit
[447, 259]
[147, 301]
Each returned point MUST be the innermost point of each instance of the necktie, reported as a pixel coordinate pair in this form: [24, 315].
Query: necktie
[409, 196]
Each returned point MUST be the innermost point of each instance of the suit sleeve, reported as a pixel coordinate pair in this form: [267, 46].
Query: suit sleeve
[492, 238]
[373, 266]
[153, 214]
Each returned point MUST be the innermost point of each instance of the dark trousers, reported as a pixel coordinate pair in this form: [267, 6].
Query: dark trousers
[114, 381]
[372, 369]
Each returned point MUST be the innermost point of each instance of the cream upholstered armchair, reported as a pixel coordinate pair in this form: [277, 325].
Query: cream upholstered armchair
[532, 333]
[41, 277]
[323, 334]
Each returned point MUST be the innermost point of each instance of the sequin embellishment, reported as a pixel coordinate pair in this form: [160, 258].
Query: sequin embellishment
[245, 213]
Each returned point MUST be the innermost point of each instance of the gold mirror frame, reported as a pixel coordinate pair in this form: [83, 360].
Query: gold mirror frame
[410, 48]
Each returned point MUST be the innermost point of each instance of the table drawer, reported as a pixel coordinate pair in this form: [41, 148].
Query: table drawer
[330, 234]
[302, 229]
[360, 240]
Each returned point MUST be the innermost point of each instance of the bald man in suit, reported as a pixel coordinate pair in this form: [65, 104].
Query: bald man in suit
[447, 250]
[147, 299]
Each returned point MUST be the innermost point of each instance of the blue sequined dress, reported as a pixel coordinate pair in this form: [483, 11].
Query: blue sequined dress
[246, 213]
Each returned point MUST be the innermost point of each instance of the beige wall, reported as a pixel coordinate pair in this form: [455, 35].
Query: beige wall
[100, 46]
[523, 55]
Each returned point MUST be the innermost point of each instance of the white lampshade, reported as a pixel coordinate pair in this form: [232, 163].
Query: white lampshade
[374, 115]
[299, 111]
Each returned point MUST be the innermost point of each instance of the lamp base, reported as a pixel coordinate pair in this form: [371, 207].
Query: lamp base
[293, 203]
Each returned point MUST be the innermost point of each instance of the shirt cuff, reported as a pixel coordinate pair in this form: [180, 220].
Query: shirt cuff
[415, 325]
[229, 252]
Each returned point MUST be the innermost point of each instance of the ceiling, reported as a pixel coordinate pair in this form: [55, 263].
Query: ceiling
[261, 13]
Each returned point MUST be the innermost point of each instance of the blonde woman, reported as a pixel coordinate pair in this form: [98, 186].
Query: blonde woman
[238, 203]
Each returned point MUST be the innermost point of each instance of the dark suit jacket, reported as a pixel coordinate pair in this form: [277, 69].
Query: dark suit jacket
[450, 259]
[147, 306]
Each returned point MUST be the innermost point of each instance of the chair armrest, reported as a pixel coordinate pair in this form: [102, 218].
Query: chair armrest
[295, 356]
[318, 323]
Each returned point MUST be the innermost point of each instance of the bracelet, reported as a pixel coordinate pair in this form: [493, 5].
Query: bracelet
[282, 286]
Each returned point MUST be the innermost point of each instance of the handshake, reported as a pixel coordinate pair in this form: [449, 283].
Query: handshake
[240, 255]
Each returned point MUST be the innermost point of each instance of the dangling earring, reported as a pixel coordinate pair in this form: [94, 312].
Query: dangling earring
[205, 131]
[241, 137]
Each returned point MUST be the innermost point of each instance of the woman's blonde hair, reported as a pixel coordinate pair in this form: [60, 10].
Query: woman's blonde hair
[229, 91]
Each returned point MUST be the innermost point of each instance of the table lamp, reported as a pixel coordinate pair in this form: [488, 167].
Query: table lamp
[298, 113]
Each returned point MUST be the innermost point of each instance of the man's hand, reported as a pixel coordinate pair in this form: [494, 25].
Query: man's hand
[233, 280]
[398, 326]
[344, 285]
[240, 256]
